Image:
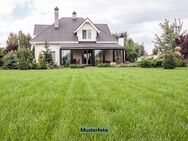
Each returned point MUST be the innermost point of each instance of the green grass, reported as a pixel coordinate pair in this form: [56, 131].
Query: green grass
[135, 103]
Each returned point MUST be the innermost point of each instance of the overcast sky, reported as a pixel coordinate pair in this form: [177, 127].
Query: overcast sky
[140, 18]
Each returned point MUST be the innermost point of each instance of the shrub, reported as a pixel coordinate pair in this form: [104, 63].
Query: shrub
[150, 63]
[23, 63]
[169, 61]
[33, 65]
[74, 66]
[42, 63]
[25, 57]
[145, 63]
[104, 65]
[10, 60]
[180, 63]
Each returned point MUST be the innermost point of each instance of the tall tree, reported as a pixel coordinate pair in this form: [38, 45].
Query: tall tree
[19, 40]
[131, 50]
[120, 34]
[47, 54]
[171, 31]
[182, 41]
[141, 51]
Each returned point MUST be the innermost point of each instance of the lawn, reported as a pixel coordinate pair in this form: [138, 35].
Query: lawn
[133, 103]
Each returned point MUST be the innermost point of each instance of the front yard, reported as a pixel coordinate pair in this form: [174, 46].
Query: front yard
[134, 103]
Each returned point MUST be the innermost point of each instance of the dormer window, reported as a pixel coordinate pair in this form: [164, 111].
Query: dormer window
[86, 34]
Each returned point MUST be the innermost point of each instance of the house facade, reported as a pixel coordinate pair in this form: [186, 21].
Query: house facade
[75, 40]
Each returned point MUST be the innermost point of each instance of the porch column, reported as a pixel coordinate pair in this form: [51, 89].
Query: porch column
[113, 55]
[103, 55]
[60, 58]
[93, 57]
[71, 56]
[123, 56]
[82, 54]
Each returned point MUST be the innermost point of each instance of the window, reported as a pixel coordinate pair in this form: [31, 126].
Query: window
[66, 57]
[98, 56]
[86, 34]
[53, 55]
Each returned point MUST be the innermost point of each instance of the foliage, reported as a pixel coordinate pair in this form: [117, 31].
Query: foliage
[180, 62]
[10, 60]
[141, 50]
[20, 40]
[47, 54]
[182, 41]
[42, 63]
[103, 65]
[171, 31]
[25, 57]
[23, 63]
[74, 66]
[131, 50]
[169, 61]
[155, 51]
[33, 65]
[150, 63]
[11, 47]
[120, 35]
[2, 53]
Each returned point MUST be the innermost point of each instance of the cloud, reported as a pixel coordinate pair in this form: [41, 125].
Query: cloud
[139, 18]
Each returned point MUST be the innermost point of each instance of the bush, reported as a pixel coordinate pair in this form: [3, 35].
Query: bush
[150, 63]
[10, 60]
[180, 63]
[169, 61]
[23, 63]
[74, 66]
[33, 65]
[104, 65]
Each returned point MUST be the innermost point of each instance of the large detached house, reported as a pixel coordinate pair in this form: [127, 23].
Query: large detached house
[75, 40]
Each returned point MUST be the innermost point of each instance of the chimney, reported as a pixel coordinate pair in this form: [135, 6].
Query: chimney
[74, 15]
[121, 41]
[56, 13]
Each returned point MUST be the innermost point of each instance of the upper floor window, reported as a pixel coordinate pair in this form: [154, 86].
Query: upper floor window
[86, 34]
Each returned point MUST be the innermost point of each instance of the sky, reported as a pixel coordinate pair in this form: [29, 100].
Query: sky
[140, 18]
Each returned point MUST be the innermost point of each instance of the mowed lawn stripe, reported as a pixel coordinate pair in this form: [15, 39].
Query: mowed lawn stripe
[135, 103]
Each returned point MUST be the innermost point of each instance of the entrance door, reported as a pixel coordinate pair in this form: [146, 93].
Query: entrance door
[88, 57]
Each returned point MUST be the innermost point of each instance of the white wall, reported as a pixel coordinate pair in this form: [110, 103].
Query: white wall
[87, 26]
[56, 48]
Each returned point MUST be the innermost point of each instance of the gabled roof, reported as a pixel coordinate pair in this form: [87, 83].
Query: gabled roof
[65, 32]
[85, 21]
[39, 28]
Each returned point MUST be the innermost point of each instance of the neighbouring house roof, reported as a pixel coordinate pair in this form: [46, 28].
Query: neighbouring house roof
[66, 29]
[90, 46]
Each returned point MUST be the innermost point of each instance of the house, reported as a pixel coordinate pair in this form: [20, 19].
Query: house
[75, 40]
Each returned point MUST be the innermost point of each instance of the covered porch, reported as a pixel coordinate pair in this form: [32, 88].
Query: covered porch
[91, 54]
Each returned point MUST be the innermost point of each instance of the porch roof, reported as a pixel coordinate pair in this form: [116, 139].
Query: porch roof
[90, 46]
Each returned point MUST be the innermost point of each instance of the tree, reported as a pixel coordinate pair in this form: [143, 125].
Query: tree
[10, 60]
[120, 34]
[19, 40]
[42, 62]
[131, 50]
[25, 57]
[2, 53]
[182, 41]
[169, 60]
[171, 31]
[47, 54]
[141, 51]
